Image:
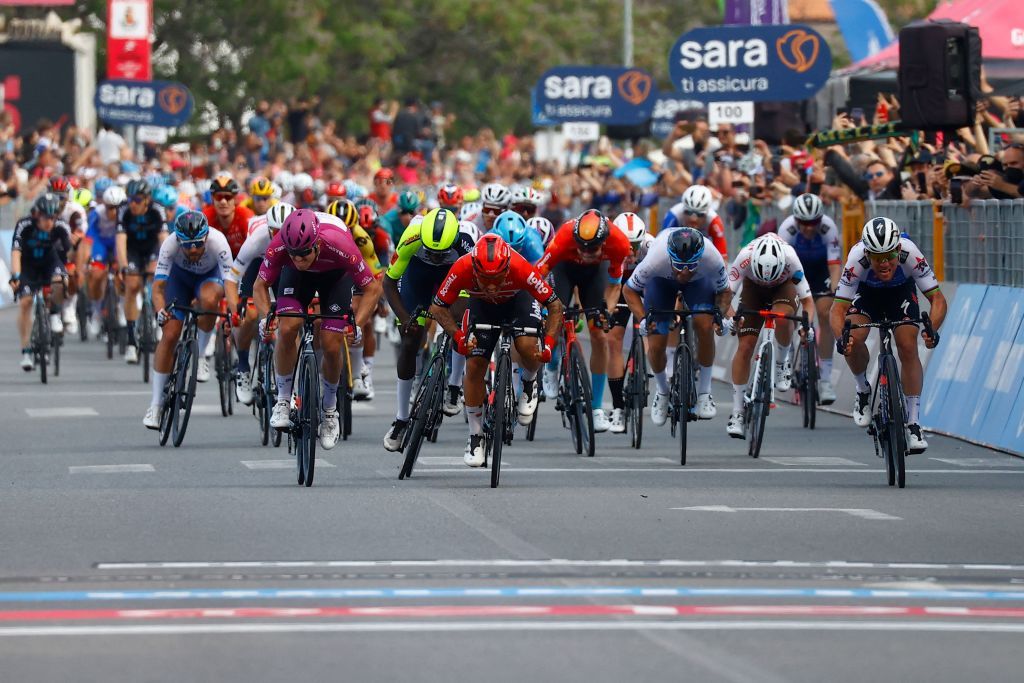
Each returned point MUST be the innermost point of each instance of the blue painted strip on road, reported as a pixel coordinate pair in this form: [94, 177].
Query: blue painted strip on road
[506, 592]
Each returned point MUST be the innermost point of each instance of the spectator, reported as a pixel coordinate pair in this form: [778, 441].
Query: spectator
[109, 144]
[407, 127]
[1005, 184]
[381, 119]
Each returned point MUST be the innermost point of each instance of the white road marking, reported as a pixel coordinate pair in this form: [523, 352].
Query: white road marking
[285, 464]
[61, 412]
[982, 462]
[445, 460]
[206, 409]
[863, 513]
[556, 562]
[822, 461]
[720, 470]
[109, 469]
[89, 394]
[513, 625]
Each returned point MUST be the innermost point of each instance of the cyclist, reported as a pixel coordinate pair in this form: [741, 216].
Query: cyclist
[311, 255]
[383, 193]
[522, 201]
[423, 257]
[369, 220]
[772, 277]
[102, 232]
[39, 251]
[451, 197]
[503, 287]
[225, 214]
[694, 211]
[469, 229]
[511, 227]
[879, 282]
[192, 265]
[397, 219]
[815, 239]
[587, 255]
[74, 214]
[238, 288]
[261, 196]
[141, 229]
[335, 191]
[166, 197]
[544, 228]
[635, 230]
[494, 200]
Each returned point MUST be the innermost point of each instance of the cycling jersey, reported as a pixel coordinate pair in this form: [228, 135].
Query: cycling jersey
[658, 265]
[237, 230]
[143, 231]
[713, 226]
[563, 247]
[859, 273]
[637, 256]
[74, 216]
[521, 276]
[102, 231]
[216, 257]
[392, 224]
[410, 245]
[337, 252]
[817, 254]
[43, 254]
[251, 253]
[794, 271]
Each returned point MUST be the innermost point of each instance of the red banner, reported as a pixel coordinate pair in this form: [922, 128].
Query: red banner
[129, 24]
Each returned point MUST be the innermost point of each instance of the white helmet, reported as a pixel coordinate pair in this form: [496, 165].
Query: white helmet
[808, 207]
[697, 199]
[768, 259]
[631, 225]
[114, 196]
[544, 227]
[880, 235]
[520, 194]
[302, 182]
[469, 228]
[286, 180]
[496, 194]
[536, 196]
[278, 212]
[470, 210]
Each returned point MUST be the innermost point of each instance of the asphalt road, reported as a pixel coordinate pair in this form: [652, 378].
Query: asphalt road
[122, 560]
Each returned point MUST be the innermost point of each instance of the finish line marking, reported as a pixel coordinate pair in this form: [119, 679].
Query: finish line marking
[901, 625]
[504, 592]
[863, 513]
[555, 562]
[719, 470]
[109, 469]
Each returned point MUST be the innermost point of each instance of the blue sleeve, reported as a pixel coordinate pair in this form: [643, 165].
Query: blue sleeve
[93, 222]
[670, 220]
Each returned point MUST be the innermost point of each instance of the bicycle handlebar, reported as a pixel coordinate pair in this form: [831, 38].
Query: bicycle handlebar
[679, 315]
[887, 325]
[507, 328]
[802, 318]
[197, 311]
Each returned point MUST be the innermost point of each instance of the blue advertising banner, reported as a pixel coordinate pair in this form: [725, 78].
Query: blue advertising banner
[667, 107]
[758, 63]
[148, 103]
[602, 94]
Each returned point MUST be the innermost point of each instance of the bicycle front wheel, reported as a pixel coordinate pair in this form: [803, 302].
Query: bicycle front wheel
[762, 396]
[682, 380]
[896, 435]
[220, 361]
[185, 388]
[499, 417]
[636, 394]
[309, 418]
[56, 341]
[582, 400]
[431, 394]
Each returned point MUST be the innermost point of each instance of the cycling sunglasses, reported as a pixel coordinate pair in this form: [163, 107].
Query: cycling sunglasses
[882, 258]
[678, 266]
[223, 197]
[698, 214]
[492, 210]
[815, 223]
[193, 244]
[139, 199]
[300, 253]
[872, 176]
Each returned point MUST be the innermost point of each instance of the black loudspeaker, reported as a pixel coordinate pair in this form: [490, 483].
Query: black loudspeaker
[940, 75]
[634, 132]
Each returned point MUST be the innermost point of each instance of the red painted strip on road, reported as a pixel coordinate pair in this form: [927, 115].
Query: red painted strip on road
[463, 611]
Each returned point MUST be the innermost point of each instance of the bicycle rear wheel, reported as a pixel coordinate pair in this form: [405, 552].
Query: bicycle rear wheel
[636, 394]
[82, 314]
[146, 335]
[761, 404]
[582, 400]
[683, 395]
[422, 420]
[56, 341]
[185, 388]
[499, 415]
[309, 418]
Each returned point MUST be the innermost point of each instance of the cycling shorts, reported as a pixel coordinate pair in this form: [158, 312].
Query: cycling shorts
[419, 284]
[103, 250]
[759, 298]
[662, 293]
[36, 275]
[590, 280]
[521, 310]
[886, 303]
[296, 289]
[183, 286]
[141, 254]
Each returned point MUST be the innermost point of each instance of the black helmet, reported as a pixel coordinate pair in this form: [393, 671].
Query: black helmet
[47, 204]
[138, 187]
[191, 225]
[685, 247]
[224, 183]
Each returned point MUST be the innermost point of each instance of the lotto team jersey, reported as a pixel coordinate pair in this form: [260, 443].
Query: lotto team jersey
[912, 264]
[657, 264]
[794, 270]
[216, 255]
[520, 276]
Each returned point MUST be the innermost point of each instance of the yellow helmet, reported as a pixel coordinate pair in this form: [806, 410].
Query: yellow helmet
[346, 211]
[439, 230]
[261, 187]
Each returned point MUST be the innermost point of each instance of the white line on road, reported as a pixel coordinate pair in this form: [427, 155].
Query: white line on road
[511, 625]
[286, 464]
[89, 394]
[556, 562]
[719, 470]
[863, 513]
[821, 461]
[982, 462]
[109, 469]
[61, 412]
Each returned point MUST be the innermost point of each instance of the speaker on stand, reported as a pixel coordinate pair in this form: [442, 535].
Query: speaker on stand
[939, 75]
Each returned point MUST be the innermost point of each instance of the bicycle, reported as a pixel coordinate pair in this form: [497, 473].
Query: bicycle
[426, 415]
[224, 364]
[888, 426]
[805, 380]
[575, 395]
[146, 327]
[500, 410]
[82, 314]
[43, 339]
[760, 396]
[682, 398]
[635, 388]
[111, 327]
[345, 391]
[264, 389]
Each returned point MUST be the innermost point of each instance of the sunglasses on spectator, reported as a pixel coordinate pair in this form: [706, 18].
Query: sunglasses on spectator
[872, 176]
[139, 199]
[300, 253]
[882, 258]
[192, 244]
[223, 197]
[386, 181]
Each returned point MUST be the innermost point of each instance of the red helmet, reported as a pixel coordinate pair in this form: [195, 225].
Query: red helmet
[367, 216]
[491, 256]
[384, 174]
[449, 195]
[336, 189]
[74, 181]
[59, 184]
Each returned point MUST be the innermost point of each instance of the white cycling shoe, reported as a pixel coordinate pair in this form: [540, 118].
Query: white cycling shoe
[131, 354]
[706, 408]
[203, 373]
[330, 430]
[27, 363]
[915, 439]
[528, 398]
[734, 427]
[659, 409]
[56, 324]
[862, 409]
[243, 389]
[452, 401]
[393, 439]
[784, 376]
[281, 417]
[550, 382]
[474, 455]
[152, 418]
[618, 421]
[826, 394]
[601, 423]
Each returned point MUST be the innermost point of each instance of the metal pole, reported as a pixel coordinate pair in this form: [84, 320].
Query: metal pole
[627, 32]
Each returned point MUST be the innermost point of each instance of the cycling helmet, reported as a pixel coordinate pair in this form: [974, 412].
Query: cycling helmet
[536, 197]
[520, 194]
[631, 225]
[471, 195]
[511, 227]
[166, 196]
[224, 183]
[544, 227]
[450, 196]
[346, 211]
[768, 259]
[286, 180]
[469, 229]
[384, 174]
[880, 236]
[808, 208]
[277, 215]
[138, 188]
[590, 230]
[102, 184]
[261, 187]
[491, 257]
[302, 182]
[408, 202]
[470, 211]
[336, 189]
[697, 199]
[114, 196]
[685, 247]
[60, 185]
[368, 215]
[48, 205]
[496, 194]
[82, 197]
[300, 230]
[439, 230]
[190, 226]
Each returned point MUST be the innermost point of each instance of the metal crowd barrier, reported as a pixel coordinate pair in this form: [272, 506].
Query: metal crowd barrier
[984, 242]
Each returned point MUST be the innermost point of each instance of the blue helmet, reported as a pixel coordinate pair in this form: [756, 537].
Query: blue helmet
[512, 228]
[101, 185]
[190, 226]
[685, 247]
[155, 179]
[166, 196]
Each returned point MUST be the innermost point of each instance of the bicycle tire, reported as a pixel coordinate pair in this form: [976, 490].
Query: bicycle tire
[582, 400]
[82, 314]
[566, 403]
[146, 335]
[812, 385]
[499, 415]
[110, 317]
[761, 402]
[55, 343]
[220, 366]
[531, 429]
[309, 418]
[637, 398]
[169, 404]
[429, 396]
[896, 428]
[187, 390]
[683, 389]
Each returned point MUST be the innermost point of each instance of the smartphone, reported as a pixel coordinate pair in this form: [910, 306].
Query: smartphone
[857, 113]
